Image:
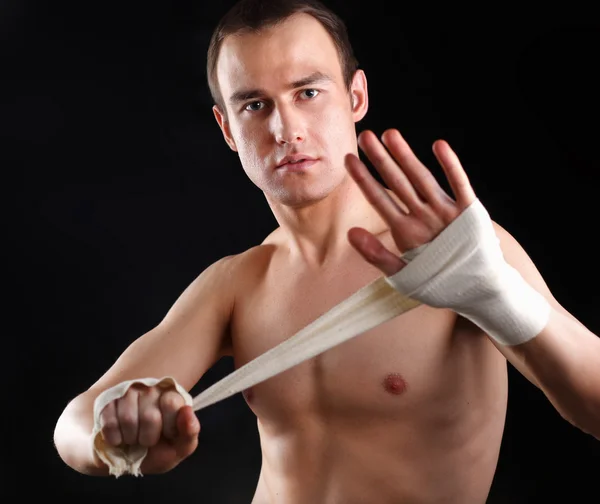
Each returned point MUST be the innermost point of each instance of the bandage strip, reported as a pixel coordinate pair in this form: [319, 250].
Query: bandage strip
[463, 269]
[367, 308]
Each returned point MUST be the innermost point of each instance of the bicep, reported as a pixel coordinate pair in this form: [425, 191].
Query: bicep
[192, 336]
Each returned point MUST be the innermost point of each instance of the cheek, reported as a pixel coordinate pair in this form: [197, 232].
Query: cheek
[336, 128]
[252, 149]
[249, 143]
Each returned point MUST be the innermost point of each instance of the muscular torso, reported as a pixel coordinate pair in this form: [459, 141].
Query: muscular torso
[409, 412]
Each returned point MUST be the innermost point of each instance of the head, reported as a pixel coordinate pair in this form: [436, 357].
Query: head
[284, 81]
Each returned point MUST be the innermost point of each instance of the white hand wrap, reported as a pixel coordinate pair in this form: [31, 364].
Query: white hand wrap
[463, 269]
[126, 458]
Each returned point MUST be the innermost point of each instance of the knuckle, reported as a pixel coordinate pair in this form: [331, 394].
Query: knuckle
[171, 400]
[147, 391]
[150, 417]
[108, 418]
[136, 388]
[152, 392]
[427, 178]
[109, 424]
[448, 214]
[431, 220]
[127, 417]
[108, 412]
[397, 220]
[418, 209]
[132, 394]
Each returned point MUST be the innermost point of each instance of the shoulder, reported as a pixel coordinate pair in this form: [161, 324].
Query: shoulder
[251, 264]
[235, 264]
[216, 288]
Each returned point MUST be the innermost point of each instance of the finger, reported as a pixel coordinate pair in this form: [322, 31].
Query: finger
[388, 168]
[127, 413]
[150, 417]
[188, 427]
[374, 251]
[456, 175]
[417, 173]
[170, 403]
[373, 191]
[187, 422]
[110, 425]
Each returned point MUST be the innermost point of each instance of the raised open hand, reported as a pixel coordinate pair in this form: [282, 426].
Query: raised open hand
[429, 208]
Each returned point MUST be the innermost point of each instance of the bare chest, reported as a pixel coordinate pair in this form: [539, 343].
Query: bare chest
[398, 366]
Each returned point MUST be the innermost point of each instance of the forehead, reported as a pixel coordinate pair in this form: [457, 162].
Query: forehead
[297, 47]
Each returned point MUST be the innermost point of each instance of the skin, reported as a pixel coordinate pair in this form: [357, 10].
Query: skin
[411, 411]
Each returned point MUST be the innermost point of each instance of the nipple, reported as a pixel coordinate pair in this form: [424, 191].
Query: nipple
[248, 394]
[394, 384]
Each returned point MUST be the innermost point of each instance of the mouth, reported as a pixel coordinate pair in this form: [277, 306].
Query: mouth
[296, 164]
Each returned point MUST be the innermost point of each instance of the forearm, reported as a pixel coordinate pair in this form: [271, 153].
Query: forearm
[564, 360]
[72, 438]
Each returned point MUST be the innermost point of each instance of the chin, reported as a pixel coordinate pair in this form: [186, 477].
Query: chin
[299, 198]
[303, 192]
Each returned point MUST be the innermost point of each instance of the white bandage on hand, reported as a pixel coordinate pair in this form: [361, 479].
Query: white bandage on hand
[463, 269]
[126, 459]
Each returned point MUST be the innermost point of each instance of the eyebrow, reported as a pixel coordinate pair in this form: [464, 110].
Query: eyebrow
[249, 94]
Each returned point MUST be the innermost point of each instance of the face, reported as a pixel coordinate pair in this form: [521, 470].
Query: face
[285, 95]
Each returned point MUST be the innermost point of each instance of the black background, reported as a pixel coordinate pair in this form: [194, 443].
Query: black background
[119, 190]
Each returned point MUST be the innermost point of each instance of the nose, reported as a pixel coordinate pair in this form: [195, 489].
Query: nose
[288, 126]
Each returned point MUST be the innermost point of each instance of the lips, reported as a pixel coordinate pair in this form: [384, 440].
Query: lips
[299, 166]
[295, 160]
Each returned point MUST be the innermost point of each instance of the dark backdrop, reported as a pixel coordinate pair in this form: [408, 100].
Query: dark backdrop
[120, 191]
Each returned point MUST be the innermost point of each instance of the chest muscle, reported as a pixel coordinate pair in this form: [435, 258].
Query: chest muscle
[382, 372]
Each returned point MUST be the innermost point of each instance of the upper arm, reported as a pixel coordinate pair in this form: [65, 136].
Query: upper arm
[191, 337]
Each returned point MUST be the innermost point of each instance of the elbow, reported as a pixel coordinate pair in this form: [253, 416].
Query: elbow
[63, 443]
[73, 442]
[592, 420]
[587, 417]
[589, 427]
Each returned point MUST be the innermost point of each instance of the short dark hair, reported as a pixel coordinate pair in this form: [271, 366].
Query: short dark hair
[254, 15]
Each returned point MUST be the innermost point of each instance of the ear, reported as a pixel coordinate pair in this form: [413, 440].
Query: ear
[359, 95]
[224, 125]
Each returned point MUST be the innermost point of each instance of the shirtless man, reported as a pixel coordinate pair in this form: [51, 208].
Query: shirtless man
[410, 412]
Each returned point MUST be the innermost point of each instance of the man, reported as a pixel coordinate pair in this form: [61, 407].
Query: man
[411, 411]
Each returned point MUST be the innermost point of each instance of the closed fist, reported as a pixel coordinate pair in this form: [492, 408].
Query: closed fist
[155, 418]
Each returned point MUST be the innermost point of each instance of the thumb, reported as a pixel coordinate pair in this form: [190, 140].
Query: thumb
[188, 428]
[373, 251]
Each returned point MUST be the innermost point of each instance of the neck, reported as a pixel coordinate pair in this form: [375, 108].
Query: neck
[317, 233]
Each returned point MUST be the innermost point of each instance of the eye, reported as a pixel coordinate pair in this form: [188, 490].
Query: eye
[310, 93]
[254, 106]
